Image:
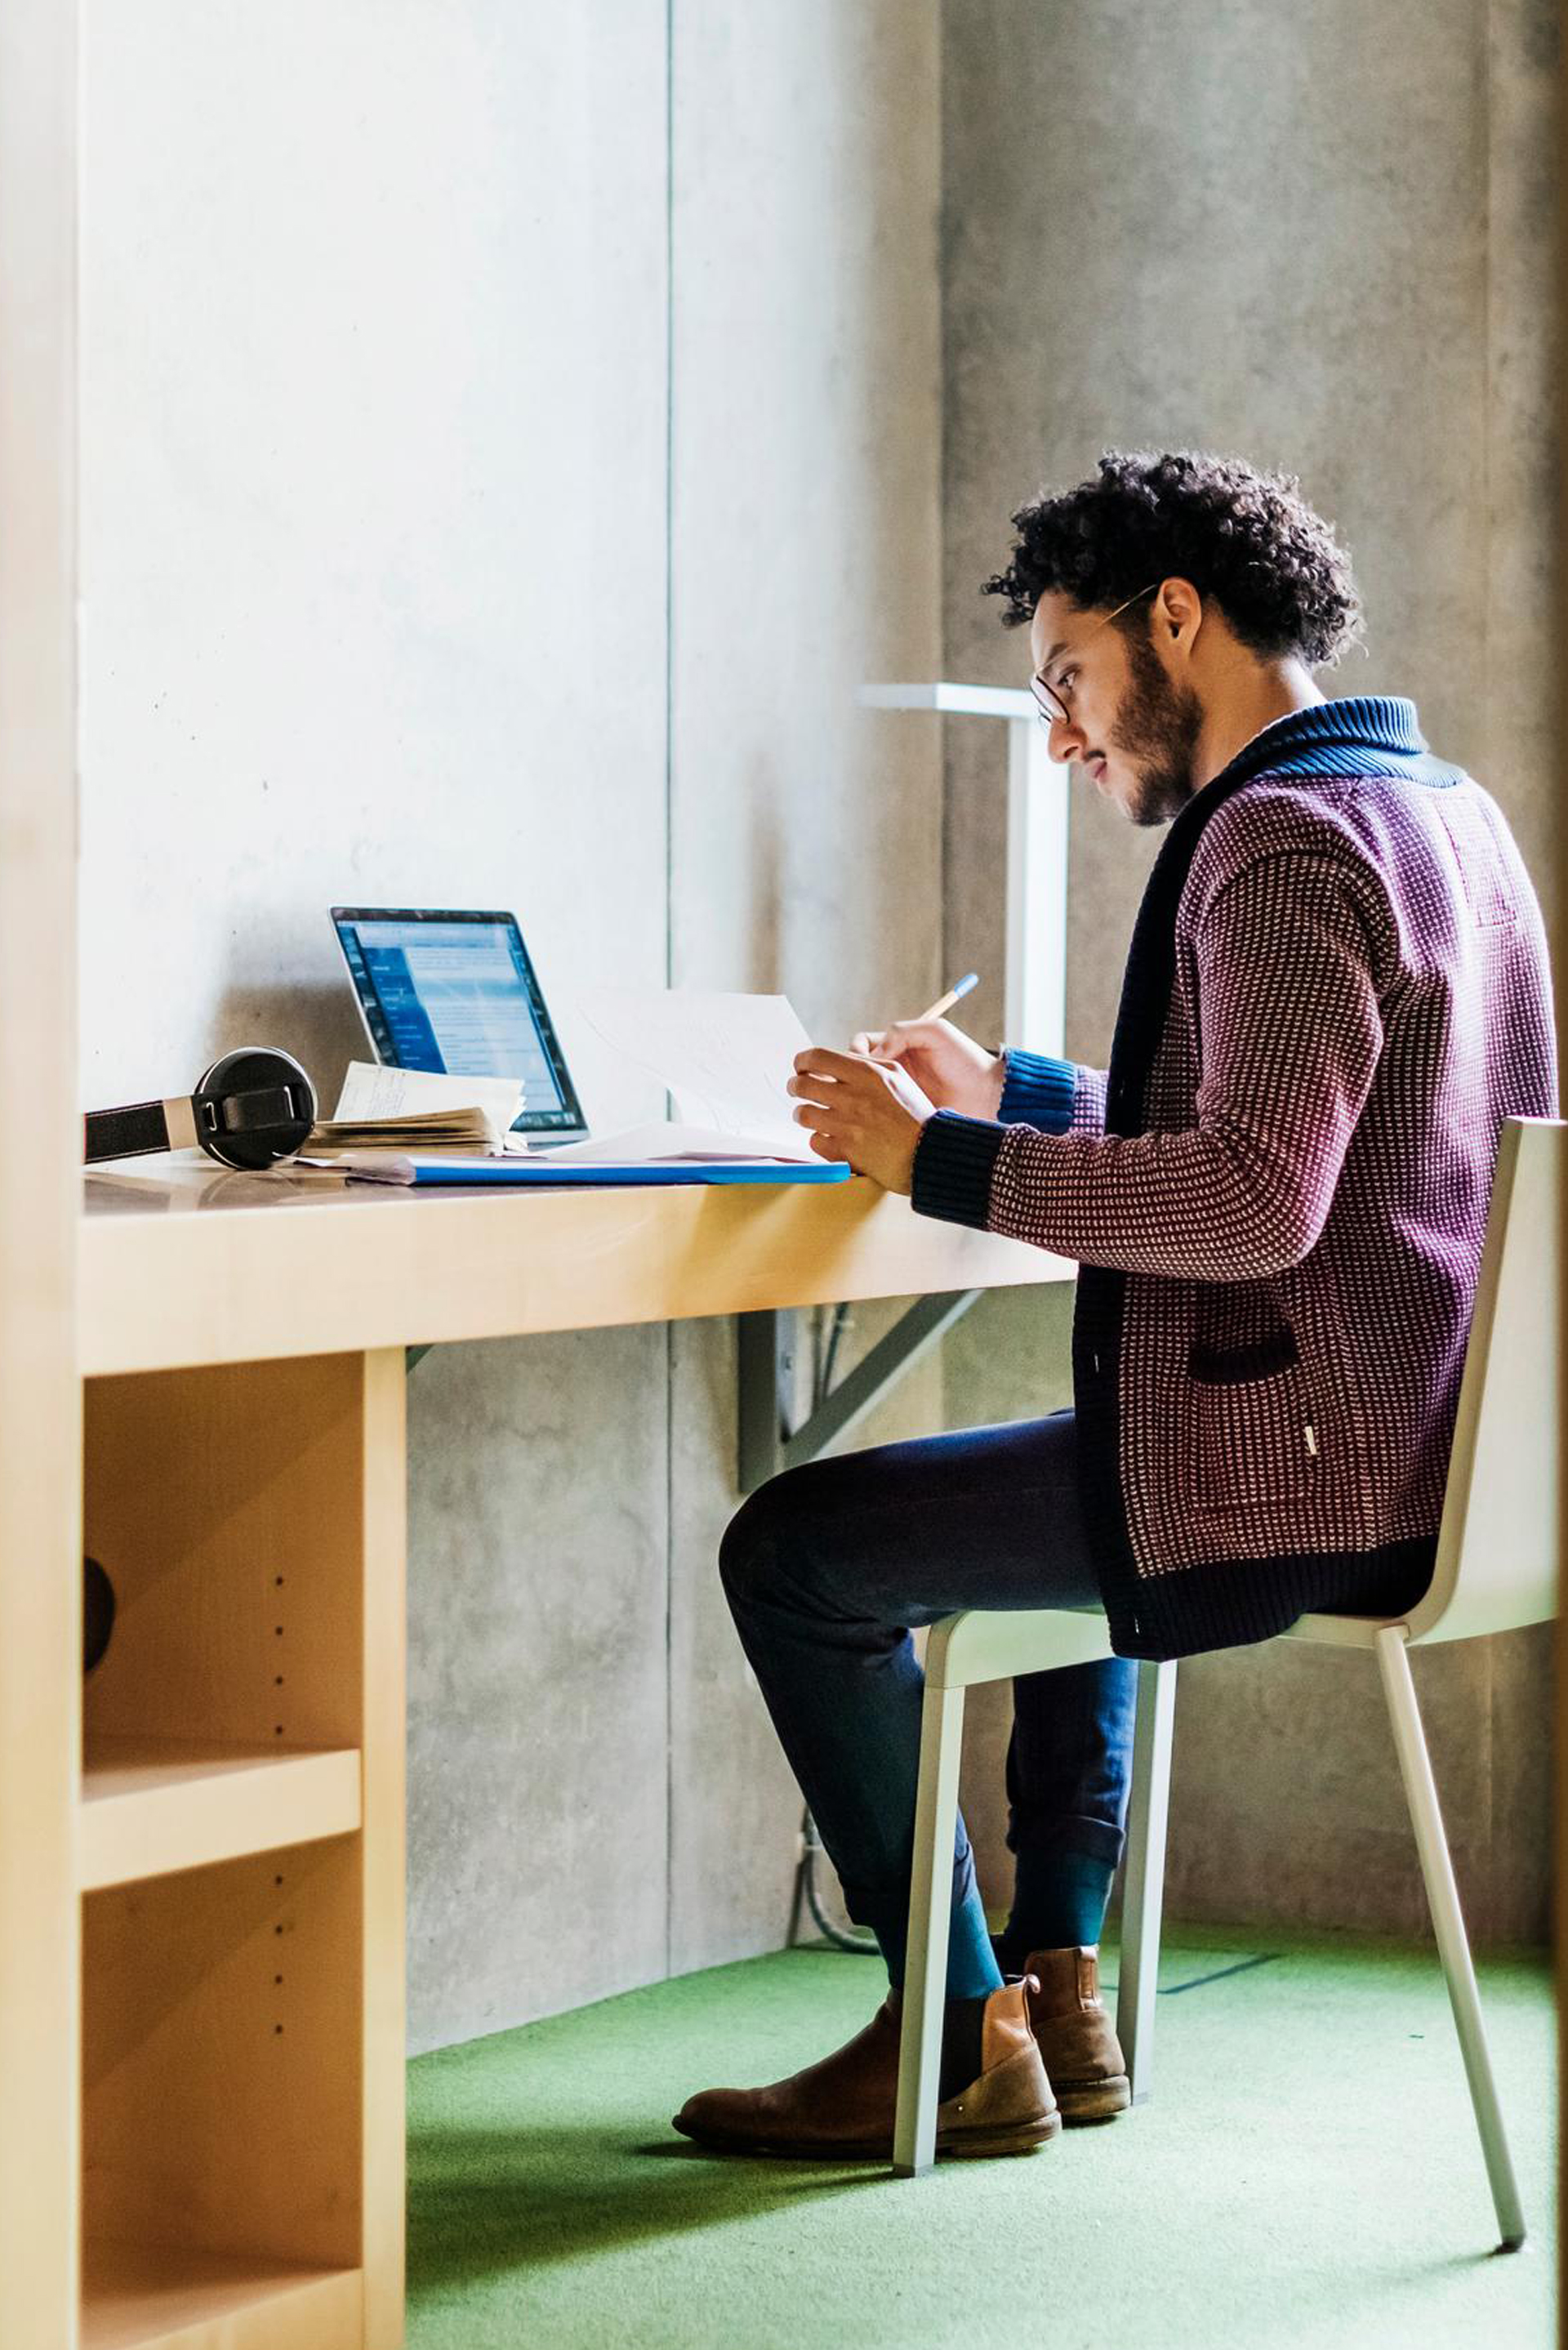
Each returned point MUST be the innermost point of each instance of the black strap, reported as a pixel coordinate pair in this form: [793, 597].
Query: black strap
[124, 1133]
[271, 1107]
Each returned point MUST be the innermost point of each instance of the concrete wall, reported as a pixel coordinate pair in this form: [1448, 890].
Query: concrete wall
[1321, 237]
[507, 436]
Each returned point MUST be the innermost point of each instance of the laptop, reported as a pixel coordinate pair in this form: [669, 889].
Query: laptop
[455, 989]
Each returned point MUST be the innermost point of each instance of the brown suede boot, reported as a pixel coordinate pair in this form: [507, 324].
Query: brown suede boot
[1077, 2039]
[841, 2110]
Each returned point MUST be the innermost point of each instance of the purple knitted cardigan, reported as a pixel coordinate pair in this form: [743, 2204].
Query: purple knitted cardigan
[1337, 990]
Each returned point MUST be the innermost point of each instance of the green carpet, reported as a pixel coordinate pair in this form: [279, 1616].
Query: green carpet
[1306, 2173]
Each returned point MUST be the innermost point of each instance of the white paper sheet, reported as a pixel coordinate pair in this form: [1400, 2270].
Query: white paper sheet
[669, 1142]
[727, 1060]
[348, 1167]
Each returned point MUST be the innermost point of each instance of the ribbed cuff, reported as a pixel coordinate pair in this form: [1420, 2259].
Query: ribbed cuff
[954, 1159]
[1038, 1091]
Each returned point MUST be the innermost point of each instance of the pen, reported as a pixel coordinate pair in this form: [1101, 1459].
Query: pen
[944, 1004]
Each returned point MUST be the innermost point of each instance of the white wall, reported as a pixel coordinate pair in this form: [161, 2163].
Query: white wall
[385, 517]
[373, 503]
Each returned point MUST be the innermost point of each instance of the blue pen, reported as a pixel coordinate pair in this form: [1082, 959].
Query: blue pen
[944, 1004]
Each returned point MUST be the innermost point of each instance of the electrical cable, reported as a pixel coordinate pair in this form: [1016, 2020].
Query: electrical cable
[861, 1945]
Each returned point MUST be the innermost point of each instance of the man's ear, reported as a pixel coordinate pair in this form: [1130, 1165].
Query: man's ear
[1178, 613]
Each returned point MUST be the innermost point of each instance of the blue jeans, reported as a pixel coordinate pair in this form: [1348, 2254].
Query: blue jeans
[827, 1567]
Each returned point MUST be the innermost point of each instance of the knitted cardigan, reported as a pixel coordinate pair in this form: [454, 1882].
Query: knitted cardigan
[1337, 988]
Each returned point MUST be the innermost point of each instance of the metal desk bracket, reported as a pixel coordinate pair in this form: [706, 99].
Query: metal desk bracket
[767, 1344]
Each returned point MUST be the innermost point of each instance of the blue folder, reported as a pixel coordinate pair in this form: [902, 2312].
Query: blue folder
[589, 1174]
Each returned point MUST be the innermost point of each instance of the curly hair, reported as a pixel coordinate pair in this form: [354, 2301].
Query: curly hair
[1248, 540]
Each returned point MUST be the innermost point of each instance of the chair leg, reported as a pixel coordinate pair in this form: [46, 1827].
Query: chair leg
[1143, 1886]
[1443, 1896]
[930, 1915]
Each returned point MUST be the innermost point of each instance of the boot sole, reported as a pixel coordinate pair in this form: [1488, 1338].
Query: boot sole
[960, 2146]
[966, 2145]
[1102, 2101]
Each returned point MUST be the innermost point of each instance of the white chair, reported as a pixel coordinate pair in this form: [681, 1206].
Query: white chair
[1496, 1567]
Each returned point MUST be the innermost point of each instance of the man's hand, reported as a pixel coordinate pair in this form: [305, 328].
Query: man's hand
[866, 1112]
[951, 1069]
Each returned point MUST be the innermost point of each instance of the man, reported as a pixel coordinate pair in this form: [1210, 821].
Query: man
[1336, 991]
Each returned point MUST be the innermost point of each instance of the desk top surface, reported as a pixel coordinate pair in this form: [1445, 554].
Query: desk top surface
[181, 1264]
[187, 1183]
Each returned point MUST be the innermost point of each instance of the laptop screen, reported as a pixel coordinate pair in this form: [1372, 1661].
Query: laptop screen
[456, 991]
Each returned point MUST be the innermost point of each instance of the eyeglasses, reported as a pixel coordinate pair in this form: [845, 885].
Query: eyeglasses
[1050, 703]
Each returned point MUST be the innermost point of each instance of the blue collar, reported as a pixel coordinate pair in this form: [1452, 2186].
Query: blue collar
[1382, 722]
[1371, 736]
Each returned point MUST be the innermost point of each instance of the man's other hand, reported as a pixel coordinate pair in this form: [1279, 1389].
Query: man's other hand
[951, 1069]
[867, 1113]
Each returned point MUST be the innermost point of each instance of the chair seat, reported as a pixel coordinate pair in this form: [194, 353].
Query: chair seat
[983, 1645]
[993, 1644]
[1340, 1631]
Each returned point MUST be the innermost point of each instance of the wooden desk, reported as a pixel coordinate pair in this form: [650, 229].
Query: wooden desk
[239, 1823]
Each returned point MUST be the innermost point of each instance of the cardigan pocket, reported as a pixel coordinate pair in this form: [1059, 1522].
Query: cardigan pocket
[1252, 1435]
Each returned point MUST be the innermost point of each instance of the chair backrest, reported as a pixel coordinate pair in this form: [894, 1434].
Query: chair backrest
[1498, 1547]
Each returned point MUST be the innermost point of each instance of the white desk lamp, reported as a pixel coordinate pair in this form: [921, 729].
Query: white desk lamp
[772, 1435]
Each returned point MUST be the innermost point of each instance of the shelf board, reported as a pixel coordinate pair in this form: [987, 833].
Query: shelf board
[187, 1268]
[152, 1805]
[143, 2297]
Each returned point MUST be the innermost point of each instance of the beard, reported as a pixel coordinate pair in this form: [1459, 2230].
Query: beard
[1158, 726]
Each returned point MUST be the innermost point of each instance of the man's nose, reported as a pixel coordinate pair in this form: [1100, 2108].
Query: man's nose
[1066, 740]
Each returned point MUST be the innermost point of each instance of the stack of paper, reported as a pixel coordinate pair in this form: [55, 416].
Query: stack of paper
[382, 1110]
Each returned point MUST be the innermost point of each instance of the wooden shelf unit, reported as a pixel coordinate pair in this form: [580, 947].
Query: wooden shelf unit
[239, 1855]
[234, 1825]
